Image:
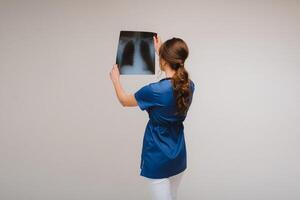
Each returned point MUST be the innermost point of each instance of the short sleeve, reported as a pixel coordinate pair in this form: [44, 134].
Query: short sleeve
[146, 97]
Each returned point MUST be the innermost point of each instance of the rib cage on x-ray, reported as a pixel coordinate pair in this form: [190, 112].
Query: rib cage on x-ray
[136, 53]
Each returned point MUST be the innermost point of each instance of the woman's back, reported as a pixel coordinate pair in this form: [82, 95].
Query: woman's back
[164, 150]
[159, 101]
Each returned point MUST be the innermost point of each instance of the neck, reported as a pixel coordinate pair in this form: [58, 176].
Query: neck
[169, 72]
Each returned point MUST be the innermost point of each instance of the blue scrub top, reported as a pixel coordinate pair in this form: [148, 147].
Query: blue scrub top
[164, 150]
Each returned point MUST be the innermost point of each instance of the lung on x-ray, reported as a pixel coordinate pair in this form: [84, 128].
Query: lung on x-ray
[136, 53]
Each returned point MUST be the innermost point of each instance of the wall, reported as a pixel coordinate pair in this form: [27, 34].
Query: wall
[63, 134]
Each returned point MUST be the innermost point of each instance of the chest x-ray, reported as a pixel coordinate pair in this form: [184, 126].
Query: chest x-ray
[136, 53]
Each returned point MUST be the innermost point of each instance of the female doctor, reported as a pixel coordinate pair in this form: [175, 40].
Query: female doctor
[167, 101]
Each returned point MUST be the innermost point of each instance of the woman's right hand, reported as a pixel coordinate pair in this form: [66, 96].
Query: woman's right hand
[157, 43]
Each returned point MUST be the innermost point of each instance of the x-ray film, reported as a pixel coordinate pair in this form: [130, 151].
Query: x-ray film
[136, 53]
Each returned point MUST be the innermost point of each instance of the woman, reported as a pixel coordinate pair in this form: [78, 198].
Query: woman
[163, 158]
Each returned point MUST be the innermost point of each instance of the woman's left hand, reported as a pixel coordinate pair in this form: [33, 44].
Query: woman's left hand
[114, 73]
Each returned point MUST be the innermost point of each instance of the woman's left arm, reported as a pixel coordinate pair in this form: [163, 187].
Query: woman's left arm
[125, 99]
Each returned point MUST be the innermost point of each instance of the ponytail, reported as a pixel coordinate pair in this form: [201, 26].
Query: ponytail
[175, 51]
[181, 87]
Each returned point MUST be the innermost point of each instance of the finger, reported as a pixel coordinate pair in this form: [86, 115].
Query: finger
[155, 39]
[115, 69]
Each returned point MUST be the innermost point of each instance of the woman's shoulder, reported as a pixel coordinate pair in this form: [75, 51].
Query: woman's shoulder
[192, 84]
[160, 86]
[153, 86]
[165, 83]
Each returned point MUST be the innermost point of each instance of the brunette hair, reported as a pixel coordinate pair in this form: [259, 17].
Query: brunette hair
[175, 51]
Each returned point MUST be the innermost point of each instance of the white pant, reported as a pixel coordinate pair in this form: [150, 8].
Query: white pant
[165, 188]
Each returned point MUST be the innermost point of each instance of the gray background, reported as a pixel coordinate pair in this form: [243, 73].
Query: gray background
[64, 135]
